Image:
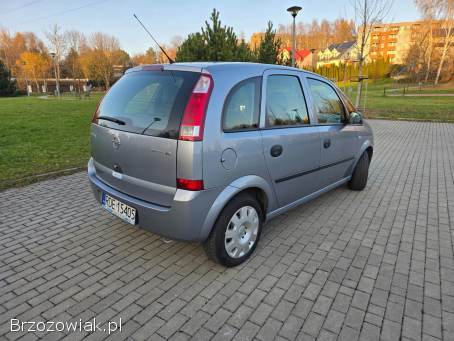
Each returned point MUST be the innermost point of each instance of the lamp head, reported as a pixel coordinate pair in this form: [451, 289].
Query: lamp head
[294, 10]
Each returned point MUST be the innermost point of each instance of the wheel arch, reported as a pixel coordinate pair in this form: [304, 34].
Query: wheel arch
[370, 152]
[256, 185]
[367, 147]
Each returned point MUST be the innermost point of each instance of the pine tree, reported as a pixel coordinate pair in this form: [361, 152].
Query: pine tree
[269, 47]
[7, 86]
[221, 41]
[214, 43]
[244, 53]
[192, 49]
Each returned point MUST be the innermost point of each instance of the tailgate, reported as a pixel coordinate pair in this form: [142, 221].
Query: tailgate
[139, 165]
[135, 130]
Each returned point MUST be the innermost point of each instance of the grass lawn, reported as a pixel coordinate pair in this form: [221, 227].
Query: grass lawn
[43, 135]
[403, 107]
[423, 91]
[40, 136]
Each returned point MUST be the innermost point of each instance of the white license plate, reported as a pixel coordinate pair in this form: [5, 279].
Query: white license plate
[125, 212]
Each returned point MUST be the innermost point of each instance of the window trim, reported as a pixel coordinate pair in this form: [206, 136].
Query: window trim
[309, 124]
[344, 98]
[344, 115]
[258, 96]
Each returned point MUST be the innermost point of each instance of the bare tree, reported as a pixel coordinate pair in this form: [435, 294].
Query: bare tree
[367, 14]
[445, 10]
[76, 40]
[77, 43]
[427, 8]
[104, 42]
[58, 45]
[5, 47]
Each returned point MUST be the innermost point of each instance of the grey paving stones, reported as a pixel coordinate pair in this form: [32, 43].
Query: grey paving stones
[370, 265]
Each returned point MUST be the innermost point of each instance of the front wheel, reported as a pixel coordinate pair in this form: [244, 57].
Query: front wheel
[360, 174]
[236, 232]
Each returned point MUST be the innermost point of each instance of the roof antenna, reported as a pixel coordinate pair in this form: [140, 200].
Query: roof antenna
[171, 61]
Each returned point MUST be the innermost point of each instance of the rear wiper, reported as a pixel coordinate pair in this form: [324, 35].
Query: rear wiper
[112, 119]
[155, 119]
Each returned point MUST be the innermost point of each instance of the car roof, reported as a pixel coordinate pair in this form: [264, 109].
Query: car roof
[213, 67]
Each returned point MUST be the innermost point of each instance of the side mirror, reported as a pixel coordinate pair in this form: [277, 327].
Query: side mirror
[355, 118]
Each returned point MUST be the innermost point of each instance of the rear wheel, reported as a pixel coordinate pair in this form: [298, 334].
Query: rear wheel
[237, 231]
[360, 174]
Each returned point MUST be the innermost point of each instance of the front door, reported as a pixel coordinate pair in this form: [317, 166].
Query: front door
[337, 139]
[291, 145]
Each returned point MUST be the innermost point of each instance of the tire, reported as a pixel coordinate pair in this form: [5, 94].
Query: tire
[220, 245]
[360, 174]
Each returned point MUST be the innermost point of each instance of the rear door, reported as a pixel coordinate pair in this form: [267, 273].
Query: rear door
[338, 140]
[136, 154]
[291, 145]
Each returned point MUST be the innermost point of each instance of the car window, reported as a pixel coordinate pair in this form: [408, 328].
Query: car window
[285, 103]
[348, 103]
[328, 106]
[241, 109]
[149, 102]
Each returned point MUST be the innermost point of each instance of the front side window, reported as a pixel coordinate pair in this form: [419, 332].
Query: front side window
[328, 106]
[348, 103]
[242, 107]
[285, 103]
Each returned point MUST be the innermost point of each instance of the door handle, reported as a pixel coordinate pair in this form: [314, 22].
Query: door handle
[326, 143]
[276, 150]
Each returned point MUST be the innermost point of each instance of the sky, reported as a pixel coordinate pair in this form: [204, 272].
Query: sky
[171, 18]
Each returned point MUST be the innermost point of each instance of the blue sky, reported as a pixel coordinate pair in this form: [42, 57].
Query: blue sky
[171, 17]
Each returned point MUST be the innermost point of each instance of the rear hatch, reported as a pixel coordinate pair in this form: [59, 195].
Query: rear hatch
[135, 133]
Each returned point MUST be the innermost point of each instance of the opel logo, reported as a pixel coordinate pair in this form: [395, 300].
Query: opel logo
[116, 142]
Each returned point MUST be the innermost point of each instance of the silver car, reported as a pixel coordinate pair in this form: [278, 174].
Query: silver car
[210, 151]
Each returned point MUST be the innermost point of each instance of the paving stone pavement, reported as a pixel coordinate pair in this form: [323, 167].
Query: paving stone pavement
[370, 265]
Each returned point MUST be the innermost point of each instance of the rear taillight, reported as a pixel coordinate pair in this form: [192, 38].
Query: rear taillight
[193, 120]
[190, 185]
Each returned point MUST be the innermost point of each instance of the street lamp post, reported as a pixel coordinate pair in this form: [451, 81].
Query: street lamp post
[57, 83]
[293, 11]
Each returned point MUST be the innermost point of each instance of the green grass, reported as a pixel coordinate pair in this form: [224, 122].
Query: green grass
[43, 135]
[423, 91]
[403, 107]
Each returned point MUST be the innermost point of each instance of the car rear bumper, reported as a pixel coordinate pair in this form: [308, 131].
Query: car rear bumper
[183, 220]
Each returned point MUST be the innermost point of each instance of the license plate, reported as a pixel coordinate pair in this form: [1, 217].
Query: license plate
[121, 210]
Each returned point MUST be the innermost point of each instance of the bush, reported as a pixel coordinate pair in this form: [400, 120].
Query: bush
[7, 85]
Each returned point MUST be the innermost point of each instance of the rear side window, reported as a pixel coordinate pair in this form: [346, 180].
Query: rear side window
[242, 106]
[148, 102]
[328, 106]
[285, 103]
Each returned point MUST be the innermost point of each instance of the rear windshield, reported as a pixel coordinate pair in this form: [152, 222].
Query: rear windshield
[148, 102]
